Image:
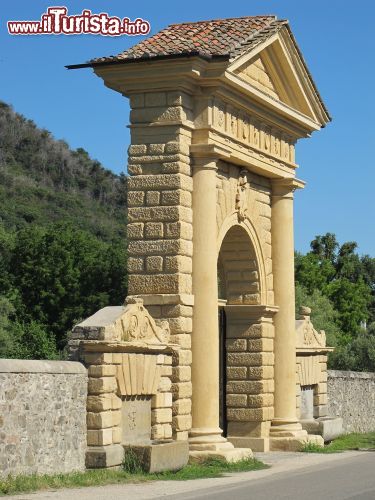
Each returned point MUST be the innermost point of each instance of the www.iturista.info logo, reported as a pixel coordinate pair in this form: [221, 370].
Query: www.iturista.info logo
[57, 22]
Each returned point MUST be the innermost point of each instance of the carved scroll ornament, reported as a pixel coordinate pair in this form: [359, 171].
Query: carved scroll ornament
[138, 325]
[307, 336]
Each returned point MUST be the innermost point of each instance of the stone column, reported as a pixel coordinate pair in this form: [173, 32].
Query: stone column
[286, 432]
[206, 433]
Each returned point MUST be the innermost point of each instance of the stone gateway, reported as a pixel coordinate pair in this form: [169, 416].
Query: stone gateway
[216, 110]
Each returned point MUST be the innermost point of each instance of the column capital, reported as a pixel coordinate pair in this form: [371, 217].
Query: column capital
[207, 155]
[285, 188]
[238, 311]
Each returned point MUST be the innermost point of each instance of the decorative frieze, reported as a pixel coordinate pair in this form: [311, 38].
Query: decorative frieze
[251, 131]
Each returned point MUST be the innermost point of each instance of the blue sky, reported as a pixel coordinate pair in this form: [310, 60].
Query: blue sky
[336, 38]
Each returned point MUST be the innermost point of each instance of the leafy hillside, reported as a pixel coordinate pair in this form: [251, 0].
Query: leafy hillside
[42, 180]
[62, 245]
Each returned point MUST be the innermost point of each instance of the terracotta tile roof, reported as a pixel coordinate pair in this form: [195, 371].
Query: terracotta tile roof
[218, 37]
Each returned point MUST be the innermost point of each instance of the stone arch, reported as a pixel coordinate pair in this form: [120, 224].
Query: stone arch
[241, 268]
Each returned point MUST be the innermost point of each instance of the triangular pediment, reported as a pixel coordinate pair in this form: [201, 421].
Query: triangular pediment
[256, 74]
[276, 70]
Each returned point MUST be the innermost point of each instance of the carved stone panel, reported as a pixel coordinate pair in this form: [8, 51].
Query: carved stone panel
[307, 402]
[136, 419]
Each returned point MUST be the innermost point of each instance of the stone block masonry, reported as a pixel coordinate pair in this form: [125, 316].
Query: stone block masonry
[210, 202]
[42, 417]
[160, 230]
[351, 395]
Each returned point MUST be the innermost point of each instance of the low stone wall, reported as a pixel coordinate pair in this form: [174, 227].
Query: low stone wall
[351, 395]
[42, 416]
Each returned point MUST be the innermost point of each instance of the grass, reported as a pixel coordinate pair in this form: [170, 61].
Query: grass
[354, 441]
[100, 477]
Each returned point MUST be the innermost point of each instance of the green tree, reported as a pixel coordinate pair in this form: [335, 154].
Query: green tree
[357, 355]
[64, 274]
[8, 341]
[23, 340]
[325, 247]
[312, 272]
[339, 286]
[6, 249]
[351, 300]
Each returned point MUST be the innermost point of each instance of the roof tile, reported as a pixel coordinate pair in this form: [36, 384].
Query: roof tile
[218, 37]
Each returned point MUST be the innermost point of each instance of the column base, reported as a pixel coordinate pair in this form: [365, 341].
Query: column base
[327, 427]
[230, 455]
[286, 435]
[255, 443]
[205, 443]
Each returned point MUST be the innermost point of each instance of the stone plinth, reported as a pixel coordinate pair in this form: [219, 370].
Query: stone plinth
[327, 427]
[160, 456]
[311, 379]
[129, 360]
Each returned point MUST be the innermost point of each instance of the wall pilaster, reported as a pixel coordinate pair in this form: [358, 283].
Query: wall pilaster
[160, 228]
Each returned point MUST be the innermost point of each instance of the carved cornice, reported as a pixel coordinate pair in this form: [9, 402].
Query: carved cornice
[285, 187]
[131, 325]
[204, 154]
[255, 312]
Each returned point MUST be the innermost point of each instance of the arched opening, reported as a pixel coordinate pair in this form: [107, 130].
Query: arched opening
[238, 270]
[238, 284]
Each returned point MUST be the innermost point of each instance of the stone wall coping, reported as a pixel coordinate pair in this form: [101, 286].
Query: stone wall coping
[314, 350]
[134, 347]
[104, 317]
[41, 366]
[350, 374]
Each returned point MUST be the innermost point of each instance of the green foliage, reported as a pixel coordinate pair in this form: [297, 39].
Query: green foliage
[339, 286]
[352, 300]
[314, 448]
[132, 462]
[27, 340]
[62, 245]
[61, 275]
[312, 272]
[7, 337]
[211, 467]
[325, 247]
[353, 441]
[43, 181]
[357, 355]
[101, 477]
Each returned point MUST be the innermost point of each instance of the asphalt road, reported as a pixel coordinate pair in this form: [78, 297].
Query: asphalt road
[299, 476]
[347, 479]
